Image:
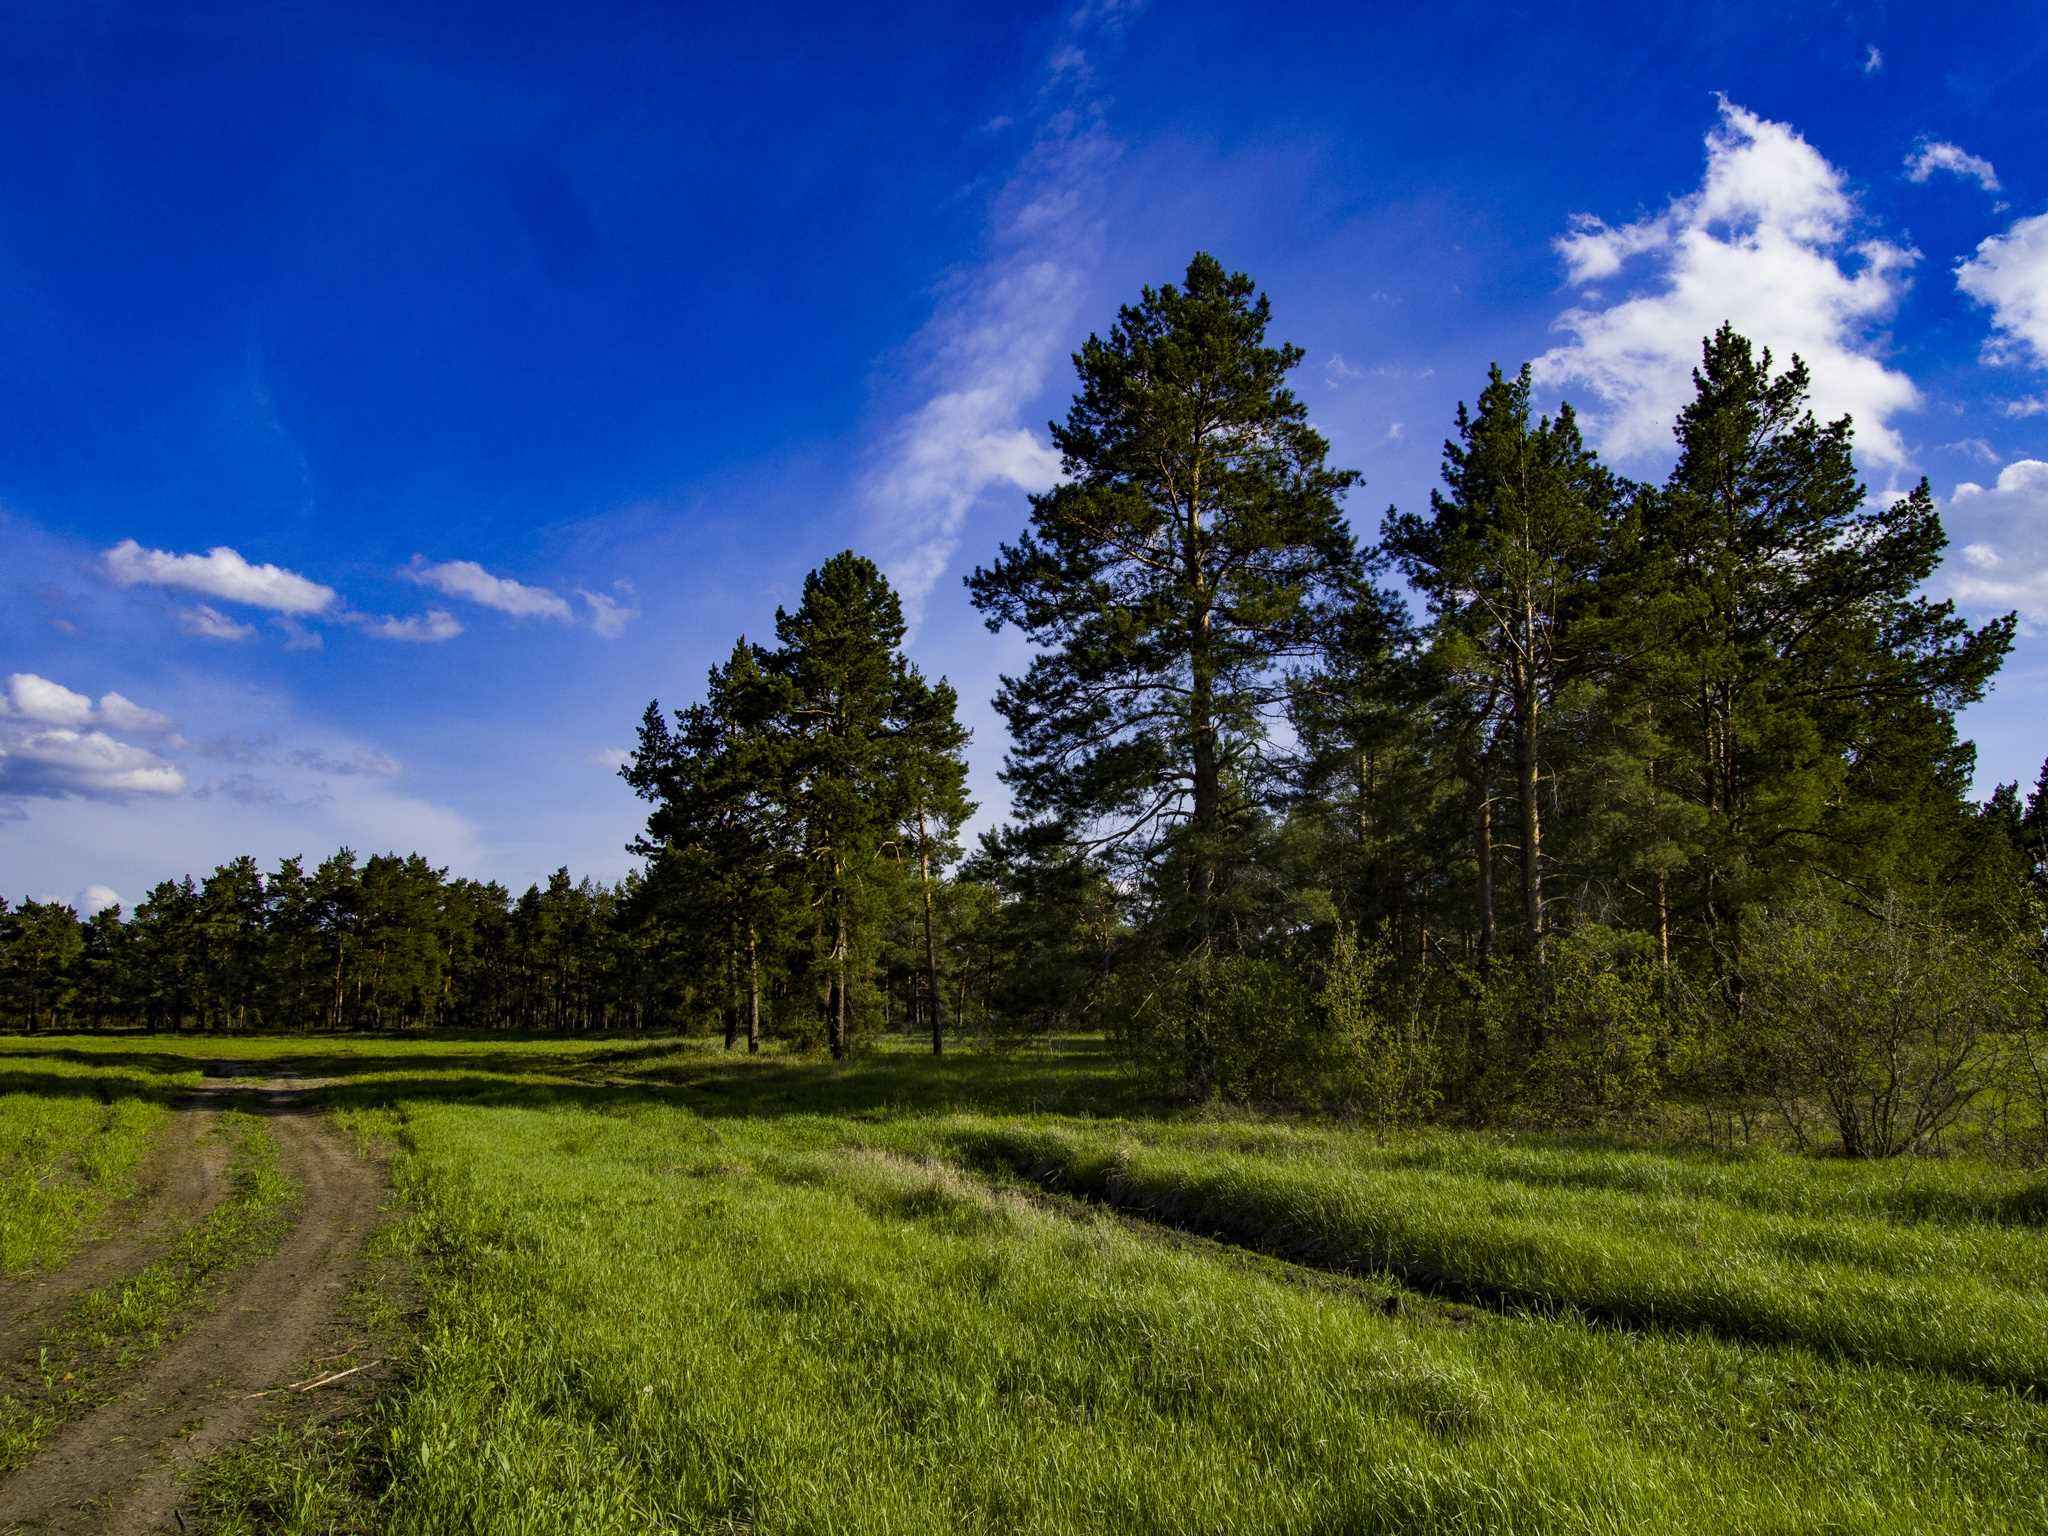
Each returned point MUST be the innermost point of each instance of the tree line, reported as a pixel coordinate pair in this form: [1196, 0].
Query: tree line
[1534, 806]
[382, 943]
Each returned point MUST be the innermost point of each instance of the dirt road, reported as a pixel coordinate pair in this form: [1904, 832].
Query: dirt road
[115, 1471]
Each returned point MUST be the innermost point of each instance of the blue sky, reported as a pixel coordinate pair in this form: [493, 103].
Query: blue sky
[394, 401]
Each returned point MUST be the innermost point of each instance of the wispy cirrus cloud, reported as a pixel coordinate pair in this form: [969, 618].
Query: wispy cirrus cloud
[1000, 325]
[219, 573]
[1768, 242]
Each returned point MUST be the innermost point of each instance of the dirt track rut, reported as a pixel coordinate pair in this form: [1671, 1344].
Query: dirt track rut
[116, 1470]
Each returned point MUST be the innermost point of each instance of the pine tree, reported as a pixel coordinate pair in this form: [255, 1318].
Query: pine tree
[1809, 692]
[838, 681]
[1186, 561]
[932, 766]
[1508, 559]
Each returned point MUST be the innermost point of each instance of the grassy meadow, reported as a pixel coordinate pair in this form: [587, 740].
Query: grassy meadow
[72, 1137]
[653, 1287]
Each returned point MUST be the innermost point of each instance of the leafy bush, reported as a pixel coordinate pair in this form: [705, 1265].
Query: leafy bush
[1333, 1031]
[1378, 1046]
[1580, 1039]
[1882, 1021]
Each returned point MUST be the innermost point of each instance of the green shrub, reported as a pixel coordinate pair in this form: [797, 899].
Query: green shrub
[1378, 1044]
[1883, 1022]
[1579, 1039]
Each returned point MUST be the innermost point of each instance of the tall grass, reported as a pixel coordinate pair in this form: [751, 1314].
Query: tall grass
[664, 1289]
[1968, 1298]
[653, 1318]
[72, 1137]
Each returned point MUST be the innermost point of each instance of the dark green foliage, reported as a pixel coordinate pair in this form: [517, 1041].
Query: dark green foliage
[803, 815]
[388, 943]
[1195, 549]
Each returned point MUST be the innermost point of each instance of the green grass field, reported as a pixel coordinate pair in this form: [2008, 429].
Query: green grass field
[656, 1288]
[69, 1147]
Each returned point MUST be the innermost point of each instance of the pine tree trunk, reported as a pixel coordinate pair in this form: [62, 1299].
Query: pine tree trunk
[836, 1033]
[753, 992]
[1527, 705]
[732, 1001]
[931, 940]
[1485, 871]
[1202, 716]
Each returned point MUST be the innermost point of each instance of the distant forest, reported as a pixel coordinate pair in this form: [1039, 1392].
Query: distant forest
[1654, 795]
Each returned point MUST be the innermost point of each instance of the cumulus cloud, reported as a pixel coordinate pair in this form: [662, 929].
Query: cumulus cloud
[54, 744]
[59, 762]
[30, 697]
[209, 623]
[221, 573]
[2008, 275]
[1931, 155]
[998, 329]
[2003, 561]
[428, 628]
[1873, 59]
[472, 583]
[95, 899]
[1766, 242]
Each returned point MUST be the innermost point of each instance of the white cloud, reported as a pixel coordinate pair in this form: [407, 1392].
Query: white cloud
[124, 714]
[997, 331]
[95, 899]
[608, 616]
[47, 703]
[221, 573]
[1764, 242]
[435, 625]
[209, 623]
[2004, 561]
[2032, 405]
[1337, 373]
[58, 761]
[471, 582]
[1931, 155]
[1873, 59]
[1396, 431]
[2009, 276]
[611, 759]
